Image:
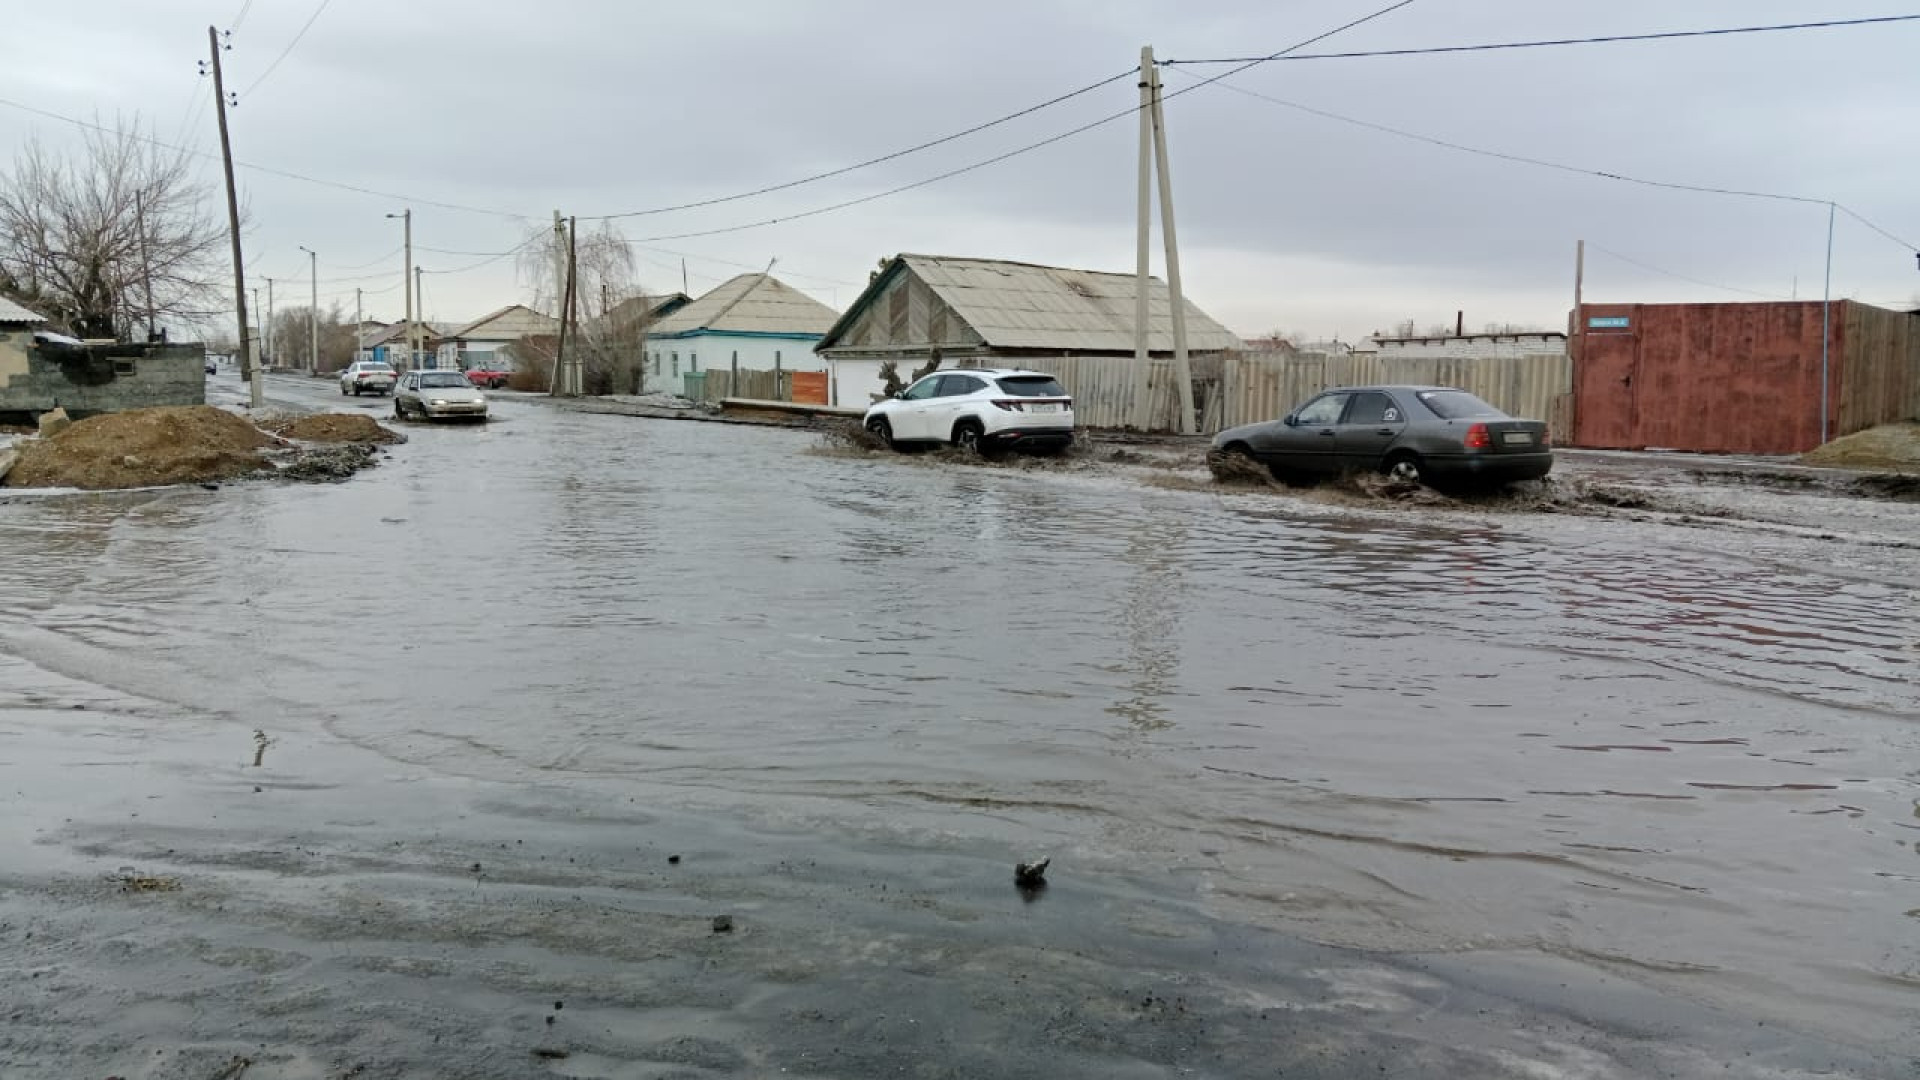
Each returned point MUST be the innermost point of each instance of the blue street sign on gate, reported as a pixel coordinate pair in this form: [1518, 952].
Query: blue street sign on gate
[1608, 322]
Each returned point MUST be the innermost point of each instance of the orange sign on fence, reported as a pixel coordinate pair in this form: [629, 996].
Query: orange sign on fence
[810, 387]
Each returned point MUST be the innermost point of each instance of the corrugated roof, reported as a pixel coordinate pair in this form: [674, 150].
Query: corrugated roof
[11, 312]
[750, 304]
[516, 320]
[1014, 305]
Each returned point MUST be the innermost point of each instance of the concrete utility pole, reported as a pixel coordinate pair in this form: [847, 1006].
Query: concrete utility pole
[406, 279]
[233, 224]
[357, 320]
[1143, 263]
[270, 350]
[313, 311]
[1826, 316]
[1182, 372]
[422, 298]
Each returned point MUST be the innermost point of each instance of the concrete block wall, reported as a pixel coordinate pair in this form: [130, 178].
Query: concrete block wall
[104, 378]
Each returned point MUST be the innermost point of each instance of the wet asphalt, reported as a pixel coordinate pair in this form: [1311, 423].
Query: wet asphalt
[1330, 790]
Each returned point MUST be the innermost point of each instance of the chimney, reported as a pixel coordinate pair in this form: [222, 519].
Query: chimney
[1459, 324]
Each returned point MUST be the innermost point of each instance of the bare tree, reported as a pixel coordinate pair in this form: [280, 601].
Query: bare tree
[336, 338]
[90, 235]
[609, 335]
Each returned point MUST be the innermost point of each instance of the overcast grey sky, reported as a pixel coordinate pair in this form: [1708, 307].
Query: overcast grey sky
[1287, 219]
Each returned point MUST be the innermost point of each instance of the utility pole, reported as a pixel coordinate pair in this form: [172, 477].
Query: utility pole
[563, 259]
[357, 320]
[1182, 373]
[1575, 325]
[233, 221]
[406, 280]
[146, 264]
[576, 371]
[422, 298]
[1826, 316]
[270, 349]
[1142, 357]
[313, 311]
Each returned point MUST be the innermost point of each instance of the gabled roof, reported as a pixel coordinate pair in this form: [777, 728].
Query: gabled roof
[11, 312]
[642, 308]
[512, 321]
[750, 304]
[1013, 305]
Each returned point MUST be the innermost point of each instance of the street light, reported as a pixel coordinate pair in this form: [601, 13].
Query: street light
[406, 281]
[313, 311]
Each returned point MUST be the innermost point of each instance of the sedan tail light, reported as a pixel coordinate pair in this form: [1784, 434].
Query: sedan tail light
[1478, 438]
[1546, 436]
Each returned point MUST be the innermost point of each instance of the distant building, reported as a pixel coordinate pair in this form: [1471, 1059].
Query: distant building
[754, 322]
[986, 312]
[1529, 343]
[483, 342]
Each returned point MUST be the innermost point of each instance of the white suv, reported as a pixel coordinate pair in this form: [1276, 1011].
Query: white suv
[977, 409]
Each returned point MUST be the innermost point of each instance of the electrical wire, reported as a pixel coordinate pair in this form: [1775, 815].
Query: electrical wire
[495, 257]
[242, 17]
[1681, 277]
[269, 171]
[308, 25]
[742, 266]
[1706, 189]
[845, 169]
[1028, 148]
[1599, 40]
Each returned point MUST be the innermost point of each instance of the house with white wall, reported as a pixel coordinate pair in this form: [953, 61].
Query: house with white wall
[754, 322]
[483, 342]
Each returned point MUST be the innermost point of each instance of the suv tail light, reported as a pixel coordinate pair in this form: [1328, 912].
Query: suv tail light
[1477, 437]
[1009, 406]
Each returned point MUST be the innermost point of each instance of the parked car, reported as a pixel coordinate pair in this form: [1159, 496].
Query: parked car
[488, 377]
[213, 367]
[977, 409]
[366, 377]
[438, 395]
[1423, 434]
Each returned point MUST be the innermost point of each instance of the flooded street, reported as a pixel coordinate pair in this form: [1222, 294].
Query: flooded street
[1328, 791]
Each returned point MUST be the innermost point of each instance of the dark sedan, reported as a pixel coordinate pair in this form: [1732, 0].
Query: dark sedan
[1421, 434]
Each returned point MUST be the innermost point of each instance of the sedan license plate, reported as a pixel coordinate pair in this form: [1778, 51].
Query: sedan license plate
[1043, 406]
[1517, 438]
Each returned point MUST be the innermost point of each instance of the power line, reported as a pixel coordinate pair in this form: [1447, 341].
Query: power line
[356, 189]
[493, 258]
[843, 170]
[1599, 40]
[1682, 277]
[1028, 148]
[242, 17]
[1705, 189]
[308, 25]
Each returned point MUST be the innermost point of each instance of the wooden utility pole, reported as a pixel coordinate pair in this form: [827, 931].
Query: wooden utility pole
[146, 263]
[1176, 300]
[233, 224]
[1143, 262]
[560, 384]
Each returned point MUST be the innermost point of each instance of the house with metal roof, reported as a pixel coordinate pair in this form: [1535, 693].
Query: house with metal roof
[990, 312]
[483, 342]
[753, 322]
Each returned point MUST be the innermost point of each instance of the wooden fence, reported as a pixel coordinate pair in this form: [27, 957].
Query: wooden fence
[717, 383]
[1241, 388]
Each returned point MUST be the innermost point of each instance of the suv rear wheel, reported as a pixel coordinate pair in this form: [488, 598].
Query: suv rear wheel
[968, 436]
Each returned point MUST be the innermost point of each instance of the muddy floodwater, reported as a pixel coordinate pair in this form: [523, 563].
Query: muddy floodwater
[449, 769]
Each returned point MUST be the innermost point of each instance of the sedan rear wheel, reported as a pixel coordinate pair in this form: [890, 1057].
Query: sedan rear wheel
[1405, 468]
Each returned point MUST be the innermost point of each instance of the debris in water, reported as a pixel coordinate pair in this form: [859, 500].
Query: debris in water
[131, 881]
[260, 744]
[723, 924]
[673, 860]
[552, 1054]
[1028, 875]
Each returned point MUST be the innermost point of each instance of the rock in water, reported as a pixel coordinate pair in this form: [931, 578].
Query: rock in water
[1030, 874]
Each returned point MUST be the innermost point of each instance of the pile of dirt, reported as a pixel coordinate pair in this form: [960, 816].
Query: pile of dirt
[143, 448]
[1892, 447]
[332, 428]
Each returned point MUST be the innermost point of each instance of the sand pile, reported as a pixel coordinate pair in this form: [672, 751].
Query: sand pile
[143, 448]
[1894, 447]
[332, 428]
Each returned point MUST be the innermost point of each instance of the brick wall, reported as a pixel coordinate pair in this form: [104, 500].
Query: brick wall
[101, 378]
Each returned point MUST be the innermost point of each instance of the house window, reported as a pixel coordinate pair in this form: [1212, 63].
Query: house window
[676, 365]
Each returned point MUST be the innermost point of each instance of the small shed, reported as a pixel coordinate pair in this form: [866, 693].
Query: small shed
[987, 312]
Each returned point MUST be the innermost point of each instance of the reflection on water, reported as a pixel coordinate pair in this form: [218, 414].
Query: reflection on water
[1395, 732]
